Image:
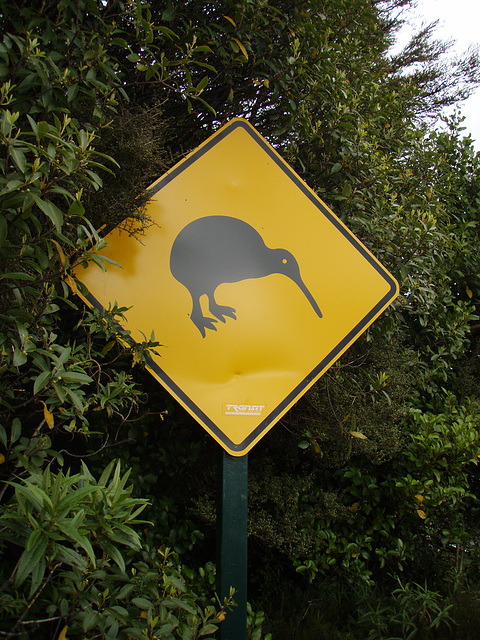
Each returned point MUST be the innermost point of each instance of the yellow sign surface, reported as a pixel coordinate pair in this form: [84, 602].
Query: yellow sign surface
[248, 280]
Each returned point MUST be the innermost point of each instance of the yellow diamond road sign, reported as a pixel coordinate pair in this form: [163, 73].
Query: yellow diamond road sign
[248, 280]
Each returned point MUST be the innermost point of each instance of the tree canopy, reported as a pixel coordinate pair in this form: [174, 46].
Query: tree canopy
[367, 487]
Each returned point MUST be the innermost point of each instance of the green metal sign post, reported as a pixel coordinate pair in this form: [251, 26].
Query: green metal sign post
[232, 529]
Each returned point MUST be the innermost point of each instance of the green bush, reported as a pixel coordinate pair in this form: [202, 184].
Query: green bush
[373, 473]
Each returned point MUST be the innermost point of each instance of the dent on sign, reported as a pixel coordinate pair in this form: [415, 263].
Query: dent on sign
[251, 284]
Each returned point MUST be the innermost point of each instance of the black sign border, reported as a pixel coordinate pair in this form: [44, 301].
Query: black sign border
[300, 389]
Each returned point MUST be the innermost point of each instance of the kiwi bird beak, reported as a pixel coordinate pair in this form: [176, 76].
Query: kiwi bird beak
[309, 297]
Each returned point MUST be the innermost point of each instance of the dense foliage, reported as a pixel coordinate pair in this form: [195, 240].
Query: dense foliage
[364, 500]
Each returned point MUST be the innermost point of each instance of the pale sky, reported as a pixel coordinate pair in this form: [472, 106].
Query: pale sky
[458, 20]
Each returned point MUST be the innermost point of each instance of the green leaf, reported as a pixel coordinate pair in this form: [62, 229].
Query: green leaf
[106, 474]
[132, 540]
[19, 357]
[203, 48]
[16, 430]
[125, 591]
[34, 495]
[204, 65]
[132, 516]
[347, 190]
[75, 398]
[11, 185]
[41, 257]
[108, 346]
[121, 612]
[76, 209]
[33, 124]
[51, 210]
[90, 619]
[202, 84]
[3, 436]
[30, 557]
[168, 15]
[42, 129]
[76, 376]
[120, 42]
[207, 629]
[70, 163]
[18, 275]
[142, 603]
[182, 604]
[167, 32]
[41, 381]
[32, 541]
[116, 556]
[19, 158]
[175, 582]
[71, 557]
[336, 167]
[38, 574]
[96, 180]
[72, 532]
[60, 391]
[64, 355]
[76, 497]
[72, 92]
[208, 106]
[83, 139]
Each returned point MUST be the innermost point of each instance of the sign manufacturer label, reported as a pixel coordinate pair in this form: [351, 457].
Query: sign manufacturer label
[244, 409]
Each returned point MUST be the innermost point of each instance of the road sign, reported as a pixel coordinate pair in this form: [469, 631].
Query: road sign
[248, 280]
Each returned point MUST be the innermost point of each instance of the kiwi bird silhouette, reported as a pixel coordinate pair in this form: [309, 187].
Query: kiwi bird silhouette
[219, 249]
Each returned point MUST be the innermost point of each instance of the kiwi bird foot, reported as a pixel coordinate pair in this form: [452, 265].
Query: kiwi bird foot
[222, 312]
[202, 323]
